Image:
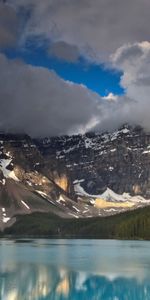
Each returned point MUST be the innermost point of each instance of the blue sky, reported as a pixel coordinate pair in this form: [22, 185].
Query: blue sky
[96, 77]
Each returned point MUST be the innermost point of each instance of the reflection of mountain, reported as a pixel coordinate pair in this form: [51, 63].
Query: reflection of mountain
[43, 282]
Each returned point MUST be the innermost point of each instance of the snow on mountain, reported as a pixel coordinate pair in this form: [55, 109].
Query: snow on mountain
[4, 164]
[111, 196]
[74, 176]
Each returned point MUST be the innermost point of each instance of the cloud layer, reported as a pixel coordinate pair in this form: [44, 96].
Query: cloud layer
[64, 51]
[8, 26]
[36, 101]
[97, 28]
[134, 61]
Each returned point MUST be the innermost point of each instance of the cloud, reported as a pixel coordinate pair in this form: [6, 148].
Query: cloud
[36, 101]
[8, 26]
[111, 97]
[134, 61]
[96, 27]
[65, 52]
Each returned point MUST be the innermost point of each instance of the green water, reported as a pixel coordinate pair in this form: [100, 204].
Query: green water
[74, 270]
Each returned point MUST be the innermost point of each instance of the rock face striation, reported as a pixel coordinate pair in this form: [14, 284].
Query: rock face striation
[74, 176]
[120, 160]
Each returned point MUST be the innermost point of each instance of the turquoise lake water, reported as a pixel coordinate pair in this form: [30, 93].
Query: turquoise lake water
[74, 269]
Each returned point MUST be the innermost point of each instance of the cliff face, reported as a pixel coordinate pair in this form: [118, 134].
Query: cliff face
[31, 182]
[74, 176]
[120, 161]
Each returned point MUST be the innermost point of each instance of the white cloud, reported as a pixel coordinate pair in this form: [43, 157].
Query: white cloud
[111, 97]
[134, 61]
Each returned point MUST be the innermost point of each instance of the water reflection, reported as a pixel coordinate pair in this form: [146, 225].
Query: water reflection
[34, 282]
[74, 270]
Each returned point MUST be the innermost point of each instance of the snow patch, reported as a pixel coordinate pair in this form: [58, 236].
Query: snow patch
[85, 211]
[74, 215]
[146, 151]
[3, 181]
[80, 190]
[25, 204]
[92, 201]
[61, 198]
[78, 181]
[111, 196]
[76, 208]
[111, 168]
[69, 149]
[88, 143]
[103, 152]
[113, 150]
[60, 156]
[110, 209]
[29, 183]
[4, 163]
[125, 130]
[5, 219]
[13, 176]
[42, 194]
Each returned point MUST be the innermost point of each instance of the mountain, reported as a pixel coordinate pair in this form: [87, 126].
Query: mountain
[118, 160]
[78, 176]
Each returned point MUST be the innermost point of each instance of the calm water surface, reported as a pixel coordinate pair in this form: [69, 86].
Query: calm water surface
[74, 270]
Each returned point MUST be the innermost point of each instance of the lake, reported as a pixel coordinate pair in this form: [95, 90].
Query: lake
[42, 269]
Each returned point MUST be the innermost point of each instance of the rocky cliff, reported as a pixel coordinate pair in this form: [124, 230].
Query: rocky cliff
[120, 160]
[74, 176]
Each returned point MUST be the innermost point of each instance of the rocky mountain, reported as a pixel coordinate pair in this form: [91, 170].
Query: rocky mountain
[74, 176]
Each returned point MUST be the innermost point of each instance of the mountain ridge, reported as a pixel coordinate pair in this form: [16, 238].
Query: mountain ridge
[48, 175]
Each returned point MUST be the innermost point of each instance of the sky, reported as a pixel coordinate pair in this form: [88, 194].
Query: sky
[68, 67]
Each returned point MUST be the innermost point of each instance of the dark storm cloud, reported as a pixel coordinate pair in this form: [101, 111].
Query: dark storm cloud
[8, 26]
[38, 102]
[96, 27]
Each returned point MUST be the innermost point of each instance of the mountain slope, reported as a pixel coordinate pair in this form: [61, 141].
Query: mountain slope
[128, 225]
[74, 176]
[119, 160]
[29, 183]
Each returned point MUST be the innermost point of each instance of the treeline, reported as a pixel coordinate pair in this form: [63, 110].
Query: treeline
[129, 225]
